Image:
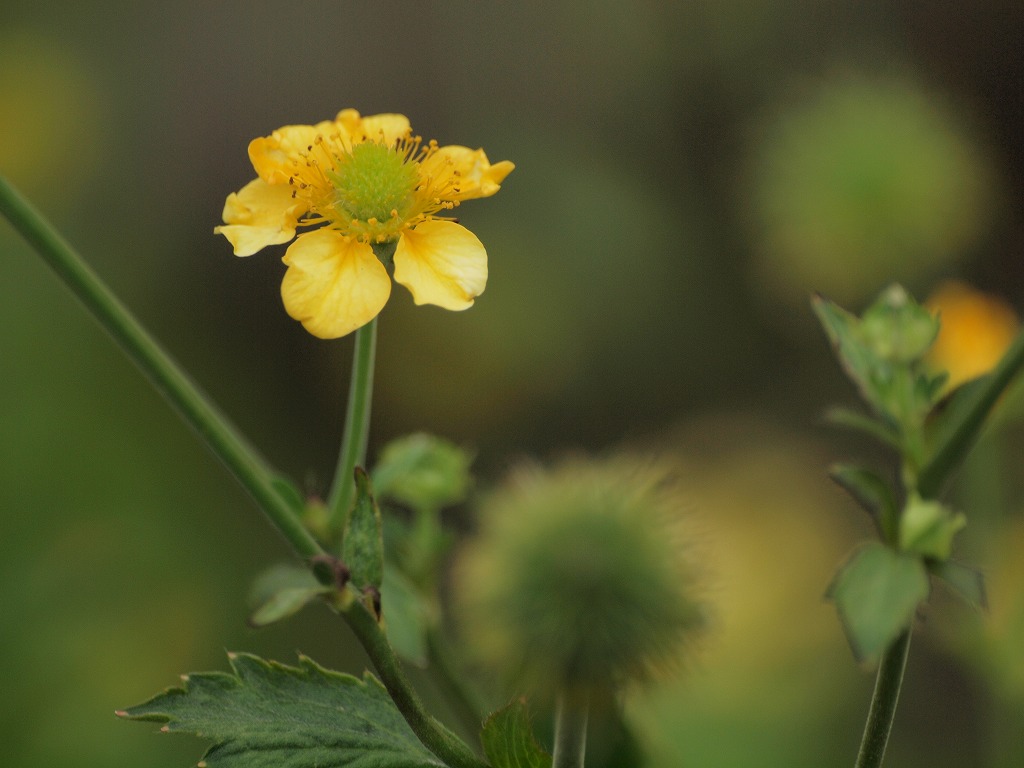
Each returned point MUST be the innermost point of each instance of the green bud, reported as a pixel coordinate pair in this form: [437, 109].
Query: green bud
[927, 528]
[578, 581]
[423, 472]
[898, 329]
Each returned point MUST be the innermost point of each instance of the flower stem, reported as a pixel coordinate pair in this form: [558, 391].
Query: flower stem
[162, 372]
[357, 430]
[434, 736]
[570, 733]
[883, 703]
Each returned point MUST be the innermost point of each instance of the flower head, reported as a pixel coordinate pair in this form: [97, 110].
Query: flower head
[376, 196]
[976, 330]
[579, 581]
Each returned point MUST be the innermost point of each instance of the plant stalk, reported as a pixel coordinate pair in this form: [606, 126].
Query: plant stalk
[570, 733]
[431, 733]
[357, 430]
[161, 370]
[883, 703]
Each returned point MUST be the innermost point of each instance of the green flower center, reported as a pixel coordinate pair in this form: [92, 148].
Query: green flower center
[374, 184]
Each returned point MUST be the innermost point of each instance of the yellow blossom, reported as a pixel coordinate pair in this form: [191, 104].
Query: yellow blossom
[375, 194]
[976, 330]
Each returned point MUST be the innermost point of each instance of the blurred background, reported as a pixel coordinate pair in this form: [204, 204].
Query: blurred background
[687, 173]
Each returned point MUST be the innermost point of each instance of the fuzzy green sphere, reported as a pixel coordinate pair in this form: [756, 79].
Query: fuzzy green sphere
[578, 580]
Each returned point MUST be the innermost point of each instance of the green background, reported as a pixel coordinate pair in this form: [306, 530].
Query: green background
[686, 174]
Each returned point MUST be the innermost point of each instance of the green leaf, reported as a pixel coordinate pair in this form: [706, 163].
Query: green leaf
[856, 358]
[877, 428]
[956, 427]
[508, 739]
[406, 616]
[423, 472]
[873, 494]
[283, 591]
[268, 715]
[963, 581]
[876, 594]
[928, 527]
[363, 546]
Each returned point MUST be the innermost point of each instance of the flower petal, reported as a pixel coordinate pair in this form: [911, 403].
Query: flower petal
[477, 177]
[441, 263]
[389, 126]
[277, 156]
[258, 215]
[334, 284]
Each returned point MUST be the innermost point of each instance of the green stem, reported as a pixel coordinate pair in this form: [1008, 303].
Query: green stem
[968, 420]
[570, 733]
[434, 736]
[164, 374]
[357, 430]
[883, 703]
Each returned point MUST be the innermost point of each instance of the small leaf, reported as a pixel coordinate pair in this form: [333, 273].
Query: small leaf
[841, 327]
[876, 594]
[423, 472]
[965, 582]
[283, 591]
[877, 428]
[928, 527]
[873, 494]
[508, 739]
[363, 547]
[268, 715]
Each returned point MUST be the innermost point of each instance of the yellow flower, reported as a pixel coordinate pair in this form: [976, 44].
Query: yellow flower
[374, 191]
[975, 332]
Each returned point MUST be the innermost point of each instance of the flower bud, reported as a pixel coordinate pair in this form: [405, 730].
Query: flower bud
[578, 581]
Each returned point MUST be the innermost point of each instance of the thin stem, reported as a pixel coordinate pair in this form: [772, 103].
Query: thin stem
[164, 374]
[357, 430]
[883, 703]
[434, 736]
[570, 733]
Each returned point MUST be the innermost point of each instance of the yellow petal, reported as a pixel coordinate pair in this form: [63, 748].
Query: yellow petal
[334, 284]
[258, 215]
[441, 263]
[389, 126]
[476, 176]
[277, 156]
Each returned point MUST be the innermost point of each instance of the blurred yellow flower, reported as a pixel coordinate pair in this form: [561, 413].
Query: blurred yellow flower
[976, 330]
[378, 191]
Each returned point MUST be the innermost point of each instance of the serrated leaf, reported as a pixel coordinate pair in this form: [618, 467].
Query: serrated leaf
[508, 739]
[873, 494]
[406, 616]
[268, 715]
[876, 594]
[363, 546]
[965, 582]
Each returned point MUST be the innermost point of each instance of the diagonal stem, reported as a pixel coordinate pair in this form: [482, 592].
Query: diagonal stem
[163, 373]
